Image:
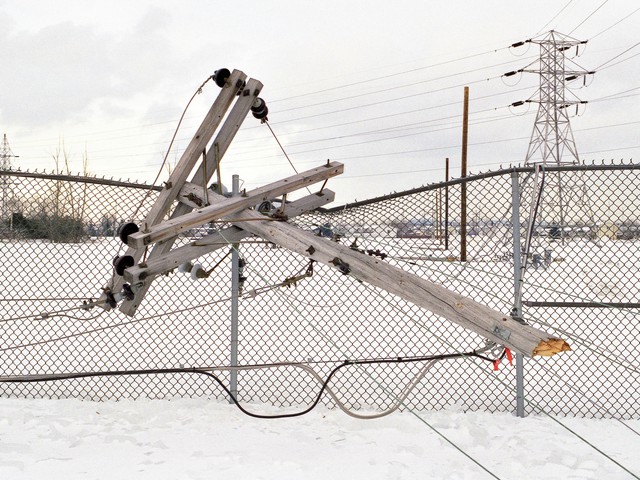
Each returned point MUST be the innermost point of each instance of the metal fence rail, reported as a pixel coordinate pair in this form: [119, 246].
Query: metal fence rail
[57, 242]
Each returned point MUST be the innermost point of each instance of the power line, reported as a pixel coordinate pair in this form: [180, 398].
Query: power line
[622, 61]
[619, 21]
[389, 129]
[306, 106]
[589, 16]
[396, 87]
[360, 82]
[617, 56]
[395, 99]
[362, 120]
[543, 29]
[503, 140]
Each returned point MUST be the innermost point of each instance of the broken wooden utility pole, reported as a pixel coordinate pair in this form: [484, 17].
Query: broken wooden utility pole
[461, 310]
[198, 205]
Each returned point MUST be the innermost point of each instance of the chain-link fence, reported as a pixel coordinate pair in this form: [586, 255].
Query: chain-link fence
[579, 280]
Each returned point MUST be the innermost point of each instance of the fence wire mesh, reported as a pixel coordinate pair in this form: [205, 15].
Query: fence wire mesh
[579, 231]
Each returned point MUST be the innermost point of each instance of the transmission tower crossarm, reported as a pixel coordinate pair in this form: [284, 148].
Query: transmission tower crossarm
[552, 137]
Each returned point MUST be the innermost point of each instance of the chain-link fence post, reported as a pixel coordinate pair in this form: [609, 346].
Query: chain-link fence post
[235, 285]
[516, 312]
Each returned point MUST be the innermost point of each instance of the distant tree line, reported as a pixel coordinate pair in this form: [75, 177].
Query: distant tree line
[57, 228]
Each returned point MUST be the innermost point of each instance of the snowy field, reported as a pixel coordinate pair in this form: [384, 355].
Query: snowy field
[200, 439]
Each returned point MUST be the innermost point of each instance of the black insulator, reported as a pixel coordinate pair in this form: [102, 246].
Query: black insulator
[221, 76]
[517, 44]
[127, 293]
[122, 263]
[265, 207]
[508, 74]
[259, 109]
[342, 267]
[110, 299]
[571, 77]
[127, 229]
[517, 104]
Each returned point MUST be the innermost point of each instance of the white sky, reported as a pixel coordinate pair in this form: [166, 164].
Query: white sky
[112, 78]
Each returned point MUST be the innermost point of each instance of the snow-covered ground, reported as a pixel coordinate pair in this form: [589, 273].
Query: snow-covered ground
[203, 439]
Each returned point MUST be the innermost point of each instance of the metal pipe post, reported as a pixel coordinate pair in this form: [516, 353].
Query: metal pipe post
[516, 312]
[235, 286]
[519, 385]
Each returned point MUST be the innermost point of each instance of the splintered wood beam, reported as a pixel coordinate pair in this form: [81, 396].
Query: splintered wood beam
[463, 311]
[210, 243]
[200, 216]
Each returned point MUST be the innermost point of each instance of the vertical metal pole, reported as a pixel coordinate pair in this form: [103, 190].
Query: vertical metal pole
[235, 285]
[463, 174]
[439, 216]
[519, 385]
[446, 205]
[516, 312]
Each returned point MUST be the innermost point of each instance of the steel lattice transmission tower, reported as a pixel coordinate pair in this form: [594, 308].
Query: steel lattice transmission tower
[5, 154]
[552, 141]
[564, 202]
[5, 183]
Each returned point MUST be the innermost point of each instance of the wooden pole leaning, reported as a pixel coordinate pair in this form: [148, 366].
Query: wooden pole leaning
[456, 308]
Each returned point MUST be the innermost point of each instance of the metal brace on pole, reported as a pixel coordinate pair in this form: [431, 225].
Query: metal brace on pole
[235, 286]
[516, 312]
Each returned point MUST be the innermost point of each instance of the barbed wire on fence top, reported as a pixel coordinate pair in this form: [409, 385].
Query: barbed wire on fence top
[58, 234]
[77, 178]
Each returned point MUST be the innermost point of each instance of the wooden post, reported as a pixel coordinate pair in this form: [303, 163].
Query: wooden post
[446, 205]
[463, 174]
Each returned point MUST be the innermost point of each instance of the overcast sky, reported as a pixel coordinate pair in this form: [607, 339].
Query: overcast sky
[375, 85]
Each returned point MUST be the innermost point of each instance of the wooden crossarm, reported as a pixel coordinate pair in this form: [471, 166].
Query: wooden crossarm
[210, 243]
[177, 225]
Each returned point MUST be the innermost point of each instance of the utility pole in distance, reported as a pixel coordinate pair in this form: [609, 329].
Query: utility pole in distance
[463, 174]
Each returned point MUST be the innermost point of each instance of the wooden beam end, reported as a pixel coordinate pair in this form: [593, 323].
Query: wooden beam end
[551, 346]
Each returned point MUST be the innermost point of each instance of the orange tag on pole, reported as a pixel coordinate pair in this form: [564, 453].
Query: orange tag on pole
[496, 365]
[509, 356]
